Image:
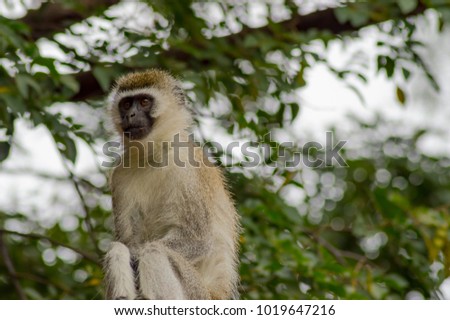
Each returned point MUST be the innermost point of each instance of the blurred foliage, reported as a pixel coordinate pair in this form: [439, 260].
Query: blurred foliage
[378, 228]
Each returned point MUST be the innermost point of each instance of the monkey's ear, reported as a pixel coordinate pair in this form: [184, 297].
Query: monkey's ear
[180, 95]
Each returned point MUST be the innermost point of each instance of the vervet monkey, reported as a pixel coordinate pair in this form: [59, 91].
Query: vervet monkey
[176, 229]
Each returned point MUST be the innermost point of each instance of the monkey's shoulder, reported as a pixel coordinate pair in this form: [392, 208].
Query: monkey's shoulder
[143, 180]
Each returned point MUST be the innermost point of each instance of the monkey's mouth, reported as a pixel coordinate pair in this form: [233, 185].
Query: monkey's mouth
[138, 129]
[137, 132]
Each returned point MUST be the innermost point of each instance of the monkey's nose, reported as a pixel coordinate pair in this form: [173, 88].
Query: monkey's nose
[132, 114]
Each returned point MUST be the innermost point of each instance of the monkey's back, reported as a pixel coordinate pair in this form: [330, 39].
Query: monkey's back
[220, 268]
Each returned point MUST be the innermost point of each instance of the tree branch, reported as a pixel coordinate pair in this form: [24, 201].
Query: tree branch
[10, 268]
[42, 280]
[86, 255]
[323, 20]
[83, 182]
[87, 215]
[52, 17]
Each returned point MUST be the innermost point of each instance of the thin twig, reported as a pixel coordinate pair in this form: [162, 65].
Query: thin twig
[87, 216]
[340, 254]
[10, 268]
[332, 249]
[82, 181]
[42, 280]
[86, 255]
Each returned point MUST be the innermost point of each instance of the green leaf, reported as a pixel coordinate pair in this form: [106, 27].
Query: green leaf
[66, 146]
[396, 281]
[295, 108]
[401, 97]
[48, 63]
[390, 67]
[406, 73]
[71, 150]
[104, 76]
[359, 18]
[24, 82]
[16, 104]
[386, 207]
[10, 35]
[5, 148]
[342, 14]
[407, 6]
[22, 85]
[356, 15]
[69, 82]
[250, 41]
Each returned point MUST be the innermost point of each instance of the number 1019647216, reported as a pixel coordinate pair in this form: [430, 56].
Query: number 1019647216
[301, 310]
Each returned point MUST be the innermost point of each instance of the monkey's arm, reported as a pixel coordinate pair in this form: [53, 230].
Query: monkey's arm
[123, 230]
[191, 247]
[164, 273]
[117, 264]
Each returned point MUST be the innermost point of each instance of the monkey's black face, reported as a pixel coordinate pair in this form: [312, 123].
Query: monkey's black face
[135, 116]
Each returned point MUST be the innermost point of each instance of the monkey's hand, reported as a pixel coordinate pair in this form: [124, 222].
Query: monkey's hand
[119, 274]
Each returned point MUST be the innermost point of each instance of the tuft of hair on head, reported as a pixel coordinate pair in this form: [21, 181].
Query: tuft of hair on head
[151, 78]
[157, 78]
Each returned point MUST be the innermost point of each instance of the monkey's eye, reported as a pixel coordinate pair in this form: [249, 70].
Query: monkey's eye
[126, 105]
[145, 102]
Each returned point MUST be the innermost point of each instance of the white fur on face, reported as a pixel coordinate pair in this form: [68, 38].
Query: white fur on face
[170, 117]
[162, 100]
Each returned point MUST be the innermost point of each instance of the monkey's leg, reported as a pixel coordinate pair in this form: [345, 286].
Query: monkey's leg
[165, 274]
[119, 275]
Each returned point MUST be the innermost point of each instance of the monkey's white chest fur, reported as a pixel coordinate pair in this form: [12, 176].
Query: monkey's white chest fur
[152, 201]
